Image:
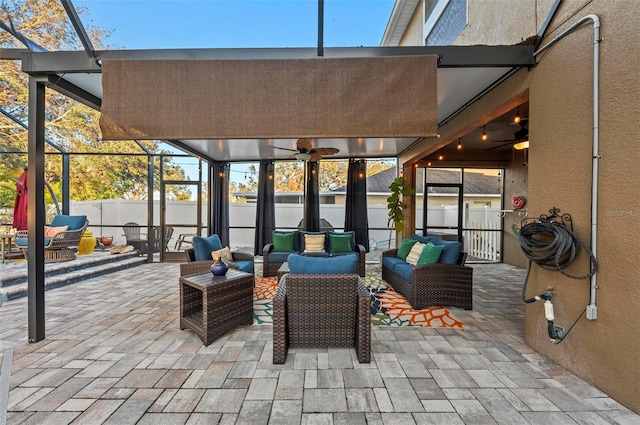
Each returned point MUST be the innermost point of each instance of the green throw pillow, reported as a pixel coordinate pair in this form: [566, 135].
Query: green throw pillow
[339, 243]
[405, 248]
[430, 254]
[283, 242]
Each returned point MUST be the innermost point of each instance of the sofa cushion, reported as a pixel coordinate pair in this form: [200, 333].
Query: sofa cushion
[430, 254]
[283, 241]
[420, 238]
[204, 246]
[404, 270]
[343, 264]
[278, 257]
[414, 254]
[74, 222]
[314, 243]
[405, 248]
[346, 232]
[301, 238]
[340, 243]
[450, 251]
[391, 262]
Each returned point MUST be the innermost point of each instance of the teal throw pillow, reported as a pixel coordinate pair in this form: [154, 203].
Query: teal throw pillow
[339, 243]
[283, 242]
[405, 248]
[430, 254]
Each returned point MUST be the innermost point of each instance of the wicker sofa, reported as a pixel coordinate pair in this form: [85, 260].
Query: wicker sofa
[321, 310]
[445, 283]
[273, 258]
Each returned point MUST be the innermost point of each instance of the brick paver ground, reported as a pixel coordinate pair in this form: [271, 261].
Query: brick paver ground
[114, 354]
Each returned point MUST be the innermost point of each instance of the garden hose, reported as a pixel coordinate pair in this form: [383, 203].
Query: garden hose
[552, 246]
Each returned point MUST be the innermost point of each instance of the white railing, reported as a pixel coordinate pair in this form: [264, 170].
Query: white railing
[482, 241]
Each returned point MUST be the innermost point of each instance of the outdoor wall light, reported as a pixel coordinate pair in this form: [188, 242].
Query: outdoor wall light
[485, 137]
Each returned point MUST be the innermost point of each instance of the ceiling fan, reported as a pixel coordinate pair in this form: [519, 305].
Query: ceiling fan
[306, 152]
[522, 135]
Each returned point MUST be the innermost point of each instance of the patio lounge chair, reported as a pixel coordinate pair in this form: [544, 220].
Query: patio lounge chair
[59, 246]
[138, 240]
[322, 310]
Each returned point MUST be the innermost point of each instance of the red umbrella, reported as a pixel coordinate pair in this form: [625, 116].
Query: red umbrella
[20, 204]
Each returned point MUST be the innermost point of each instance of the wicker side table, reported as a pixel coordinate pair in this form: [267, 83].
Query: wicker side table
[212, 305]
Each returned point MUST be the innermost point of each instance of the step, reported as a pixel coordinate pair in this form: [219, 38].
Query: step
[15, 273]
[58, 280]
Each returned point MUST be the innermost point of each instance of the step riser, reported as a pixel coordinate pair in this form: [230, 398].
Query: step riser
[74, 268]
[57, 283]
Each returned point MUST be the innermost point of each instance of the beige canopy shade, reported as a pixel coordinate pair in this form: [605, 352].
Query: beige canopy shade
[269, 98]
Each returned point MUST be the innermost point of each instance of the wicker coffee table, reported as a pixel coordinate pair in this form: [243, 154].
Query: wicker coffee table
[212, 305]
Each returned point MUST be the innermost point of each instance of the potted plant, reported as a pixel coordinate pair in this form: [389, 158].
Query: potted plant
[396, 205]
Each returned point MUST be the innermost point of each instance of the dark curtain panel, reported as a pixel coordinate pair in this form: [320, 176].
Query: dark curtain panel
[312, 197]
[220, 202]
[266, 207]
[356, 216]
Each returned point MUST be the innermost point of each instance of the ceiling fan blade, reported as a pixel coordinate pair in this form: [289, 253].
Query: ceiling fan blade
[510, 142]
[325, 151]
[304, 145]
[315, 156]
[284, 149]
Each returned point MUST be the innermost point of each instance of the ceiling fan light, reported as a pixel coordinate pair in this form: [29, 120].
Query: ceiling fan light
[521, 145]
[303, 156]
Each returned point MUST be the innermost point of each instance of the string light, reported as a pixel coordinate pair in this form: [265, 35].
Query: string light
[517, 118]
[440, 157]
[459, 144]
[485, 137]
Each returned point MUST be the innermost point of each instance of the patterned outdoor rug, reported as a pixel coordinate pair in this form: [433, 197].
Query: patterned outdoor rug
[388, 307]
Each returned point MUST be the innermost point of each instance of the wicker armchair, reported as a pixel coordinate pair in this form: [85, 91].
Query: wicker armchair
[192, 266]
[434, 284]
[58, 248]
[321, 310]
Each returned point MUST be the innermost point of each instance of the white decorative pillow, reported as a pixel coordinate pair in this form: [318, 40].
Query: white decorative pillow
[313, 243]
[414, 254]
[224, 253]
[50, 232]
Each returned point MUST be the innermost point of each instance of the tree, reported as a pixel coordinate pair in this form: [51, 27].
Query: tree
[70, 125]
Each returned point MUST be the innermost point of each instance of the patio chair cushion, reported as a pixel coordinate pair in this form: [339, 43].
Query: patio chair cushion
[283, 241]
[204, 246]
[50, 231]
[244, 265]
[224, 253]
[404, 271]
[343, 264]
[430, 254]
[405, 248]
[340, 243]
[74, 222]
[392, 262]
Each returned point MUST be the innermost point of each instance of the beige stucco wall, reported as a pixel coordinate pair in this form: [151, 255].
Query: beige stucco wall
[492, 22]
[413, 34]
[516, 177]
[606, 351]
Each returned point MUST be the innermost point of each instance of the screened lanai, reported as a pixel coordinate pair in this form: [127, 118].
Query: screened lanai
[231, 105]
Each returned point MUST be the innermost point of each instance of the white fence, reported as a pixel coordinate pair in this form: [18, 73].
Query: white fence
[106, 217]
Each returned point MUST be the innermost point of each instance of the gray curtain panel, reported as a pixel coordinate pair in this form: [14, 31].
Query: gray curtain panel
[265, 208]
[356, 215]
[312, 197]
[219, 181]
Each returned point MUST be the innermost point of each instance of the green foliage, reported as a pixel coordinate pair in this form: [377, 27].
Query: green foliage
[396, 205]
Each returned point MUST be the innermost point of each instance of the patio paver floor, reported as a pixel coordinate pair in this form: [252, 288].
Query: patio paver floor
[114, 354]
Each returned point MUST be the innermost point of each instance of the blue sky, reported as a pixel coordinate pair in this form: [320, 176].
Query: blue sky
[149, 24]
